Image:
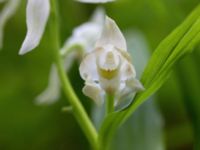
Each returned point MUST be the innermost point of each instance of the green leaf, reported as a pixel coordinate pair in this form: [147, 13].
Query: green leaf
[143, 130]
[180, 42]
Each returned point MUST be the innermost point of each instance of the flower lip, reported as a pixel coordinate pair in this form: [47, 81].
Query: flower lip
[108, 60]
[108, 64]
[108, 74]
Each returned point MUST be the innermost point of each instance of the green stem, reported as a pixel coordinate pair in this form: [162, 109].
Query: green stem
[66, 50]
[78, 109]
[109, 103]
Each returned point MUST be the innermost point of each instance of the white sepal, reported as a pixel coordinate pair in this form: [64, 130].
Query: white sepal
[87, 34]
[93, 91]
[134, 84]
[37, 13]
[7, 12]
[88, 67]
[112, 35]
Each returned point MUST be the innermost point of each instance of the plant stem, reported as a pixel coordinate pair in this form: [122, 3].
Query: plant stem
[78, 109]
[66, 50]
[109, 103]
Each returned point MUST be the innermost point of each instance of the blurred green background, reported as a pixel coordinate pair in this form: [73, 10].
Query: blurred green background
[24, 125]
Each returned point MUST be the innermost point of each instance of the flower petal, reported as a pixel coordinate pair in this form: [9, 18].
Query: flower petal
[127, 91]
[127, 70]
[134, 84]
[98, 16]
[86, 34]
[37, 13]
[112, 35]
[7, 12]
[93, 91]
[88, 67]
[52, 93]
[95, 1]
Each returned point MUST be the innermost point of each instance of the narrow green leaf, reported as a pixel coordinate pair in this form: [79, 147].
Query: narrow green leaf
[180, 42]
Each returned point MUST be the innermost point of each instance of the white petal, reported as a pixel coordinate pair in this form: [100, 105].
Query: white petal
[93, 91]
[98, 16]
[88, 67]
[37, 13]
[127, 71]
[95, 1]
[7, 12]
[112, 35]
[127, 91]
[86, 35]
[134, 84]
[52, 93]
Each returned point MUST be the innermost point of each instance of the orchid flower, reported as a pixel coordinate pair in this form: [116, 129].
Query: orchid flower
[37, 13]
[7, 12]
[95, 1]
[83, 37]
[86, 35]
[108, 69]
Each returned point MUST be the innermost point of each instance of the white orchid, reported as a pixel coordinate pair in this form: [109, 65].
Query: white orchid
[37, 13]
[86, 35]
[6, 13]
[108, 69]
[95, 1]
[83, 37]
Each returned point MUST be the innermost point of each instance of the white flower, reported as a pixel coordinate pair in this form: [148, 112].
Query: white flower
[7, 12]
[108, 68]
[37, 13]
[85, 36]
[95, 1]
